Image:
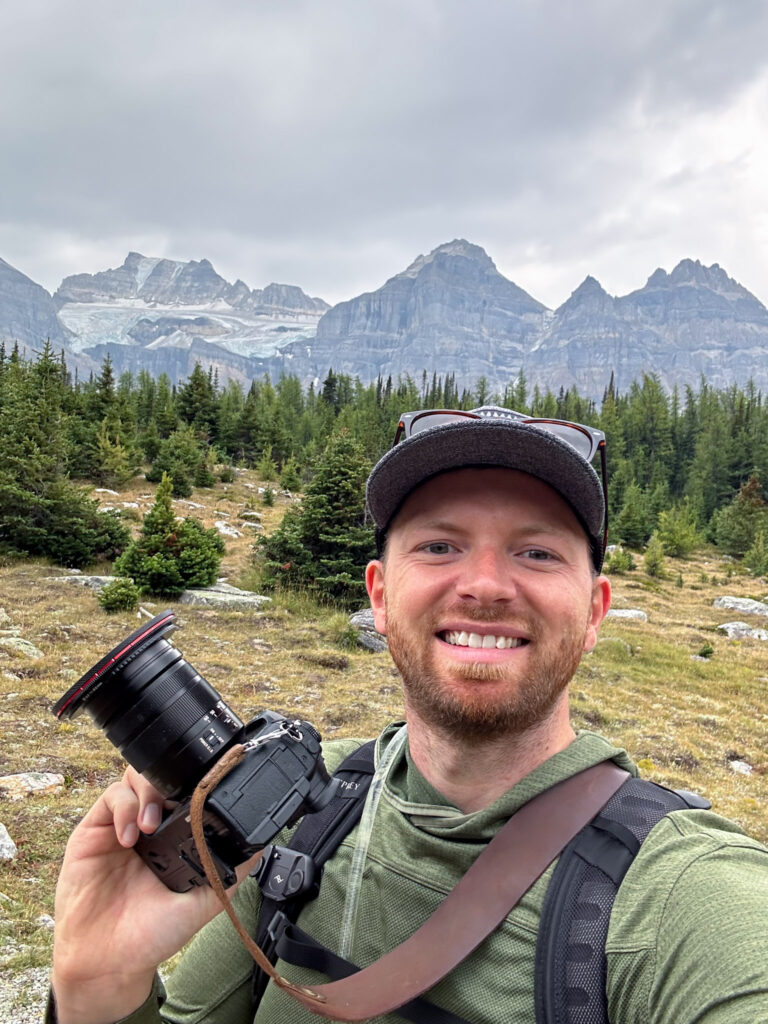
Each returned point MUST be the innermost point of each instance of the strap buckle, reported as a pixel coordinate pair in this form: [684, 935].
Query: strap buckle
[283, 874]
[276, 927]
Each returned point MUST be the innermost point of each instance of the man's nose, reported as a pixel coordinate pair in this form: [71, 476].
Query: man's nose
[487, 576]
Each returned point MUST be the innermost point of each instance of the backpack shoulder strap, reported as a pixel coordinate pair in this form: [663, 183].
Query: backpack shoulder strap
[318, 836]
[570, 970]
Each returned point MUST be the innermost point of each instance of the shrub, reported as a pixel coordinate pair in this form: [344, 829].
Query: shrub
[618, 562]
[227, 474]
[653, 560]
[678, 530]
[289, 478]
[266, 467]
[268, 497]
[171, 554]
[121, 595]
[756, 559]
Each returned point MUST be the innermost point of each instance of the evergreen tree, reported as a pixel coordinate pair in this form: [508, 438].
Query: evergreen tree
[323, 544]
[634, 524]
[170, 554]
[736, 526]
[678, 530]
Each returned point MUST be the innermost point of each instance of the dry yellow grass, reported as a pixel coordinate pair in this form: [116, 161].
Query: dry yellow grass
[685, 718]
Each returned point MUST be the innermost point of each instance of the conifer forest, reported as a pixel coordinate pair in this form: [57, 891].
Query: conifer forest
[683, 468]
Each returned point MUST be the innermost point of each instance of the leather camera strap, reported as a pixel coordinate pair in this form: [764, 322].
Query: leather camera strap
[509, 865]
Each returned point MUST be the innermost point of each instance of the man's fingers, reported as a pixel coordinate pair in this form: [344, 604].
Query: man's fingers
[150, 801]
[127, 806]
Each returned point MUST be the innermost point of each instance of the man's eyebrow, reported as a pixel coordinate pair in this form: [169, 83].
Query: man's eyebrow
[533, 527]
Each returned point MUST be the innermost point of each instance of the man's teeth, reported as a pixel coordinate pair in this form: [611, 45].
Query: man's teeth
[460, 638]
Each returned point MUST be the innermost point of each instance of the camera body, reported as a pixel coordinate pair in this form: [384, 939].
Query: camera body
[173, 727]
[276, 783]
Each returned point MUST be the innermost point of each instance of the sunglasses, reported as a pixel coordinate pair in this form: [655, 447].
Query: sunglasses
[587, 441]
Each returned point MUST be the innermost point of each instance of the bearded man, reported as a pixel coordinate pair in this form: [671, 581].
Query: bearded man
[491, 529]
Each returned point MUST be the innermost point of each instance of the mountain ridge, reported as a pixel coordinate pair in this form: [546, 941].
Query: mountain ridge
[447, 311]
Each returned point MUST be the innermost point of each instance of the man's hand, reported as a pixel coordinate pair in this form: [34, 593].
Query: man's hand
[115, 920]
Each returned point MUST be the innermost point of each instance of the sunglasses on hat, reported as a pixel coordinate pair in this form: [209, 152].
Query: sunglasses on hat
[586, 441]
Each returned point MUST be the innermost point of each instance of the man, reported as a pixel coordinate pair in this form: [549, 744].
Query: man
[491, 530]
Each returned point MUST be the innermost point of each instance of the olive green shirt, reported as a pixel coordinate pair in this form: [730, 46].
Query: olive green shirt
[688, 937]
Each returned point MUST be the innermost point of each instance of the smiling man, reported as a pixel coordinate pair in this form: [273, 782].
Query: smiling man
[491, 530]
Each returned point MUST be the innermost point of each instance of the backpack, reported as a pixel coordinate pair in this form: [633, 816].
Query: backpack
[570, 964]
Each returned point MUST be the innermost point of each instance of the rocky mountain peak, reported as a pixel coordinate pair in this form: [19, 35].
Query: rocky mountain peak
[589, 296]
[459, 247]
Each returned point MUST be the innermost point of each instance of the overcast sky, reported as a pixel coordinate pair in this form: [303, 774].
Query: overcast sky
[326, 143]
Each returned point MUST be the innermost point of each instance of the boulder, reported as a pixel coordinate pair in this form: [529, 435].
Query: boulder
[18, 787]
[91, 582]
[742, 630]
[627, 613]
[222, 595]
[741, 604]
[8, 849]
[367, 634]
[226, 530]
[17, 645]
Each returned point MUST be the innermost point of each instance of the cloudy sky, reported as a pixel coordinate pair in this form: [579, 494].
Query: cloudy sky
[326, 143]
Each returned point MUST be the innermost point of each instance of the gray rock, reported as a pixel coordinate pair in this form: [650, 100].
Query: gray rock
[106, 490]
[741, 604]
[742, 630]
[368, 636]
[249, 513]
[8, 850]
[223, 596]
[374, 642]
[45, 921]
[627, 613]
[225, 530]
[17, 645]
[91, 582]
[740, 767]
[25, 784]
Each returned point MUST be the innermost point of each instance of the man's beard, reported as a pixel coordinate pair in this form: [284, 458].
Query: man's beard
[481, 713]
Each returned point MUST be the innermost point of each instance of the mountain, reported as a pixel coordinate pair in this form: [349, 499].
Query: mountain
[450, 311]
[27, 313]
[171, 283]
[164, 316]
[695, 322]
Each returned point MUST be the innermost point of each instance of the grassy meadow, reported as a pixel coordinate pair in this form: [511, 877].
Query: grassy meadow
[684, 718]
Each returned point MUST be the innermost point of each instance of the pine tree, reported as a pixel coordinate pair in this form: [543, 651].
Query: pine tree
[323, 544]
[171, 554]
[736, 526]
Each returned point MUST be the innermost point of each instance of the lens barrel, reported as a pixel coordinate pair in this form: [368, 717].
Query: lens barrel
[162, 715]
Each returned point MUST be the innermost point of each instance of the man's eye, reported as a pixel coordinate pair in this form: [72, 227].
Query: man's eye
[537, 555]
[438, 547]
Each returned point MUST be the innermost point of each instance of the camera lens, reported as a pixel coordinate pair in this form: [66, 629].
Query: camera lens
[162, 715]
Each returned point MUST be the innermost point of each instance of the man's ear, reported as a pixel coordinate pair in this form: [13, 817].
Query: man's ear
[374, 583]
[601, 602]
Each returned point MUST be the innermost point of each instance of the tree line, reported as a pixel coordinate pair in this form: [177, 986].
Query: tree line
[690, 463]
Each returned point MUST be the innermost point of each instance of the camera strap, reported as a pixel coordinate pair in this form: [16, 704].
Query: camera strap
[509, 865]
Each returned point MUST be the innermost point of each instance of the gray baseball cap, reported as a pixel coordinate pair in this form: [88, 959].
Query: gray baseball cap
[494, 437]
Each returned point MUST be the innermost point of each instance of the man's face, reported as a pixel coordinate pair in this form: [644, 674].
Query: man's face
[487, 599]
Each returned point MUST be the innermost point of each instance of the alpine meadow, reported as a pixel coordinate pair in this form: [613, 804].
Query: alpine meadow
[178, 486]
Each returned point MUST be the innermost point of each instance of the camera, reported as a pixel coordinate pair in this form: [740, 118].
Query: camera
[173, 727]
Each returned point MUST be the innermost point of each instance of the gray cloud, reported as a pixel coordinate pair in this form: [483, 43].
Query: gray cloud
[326, 144]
